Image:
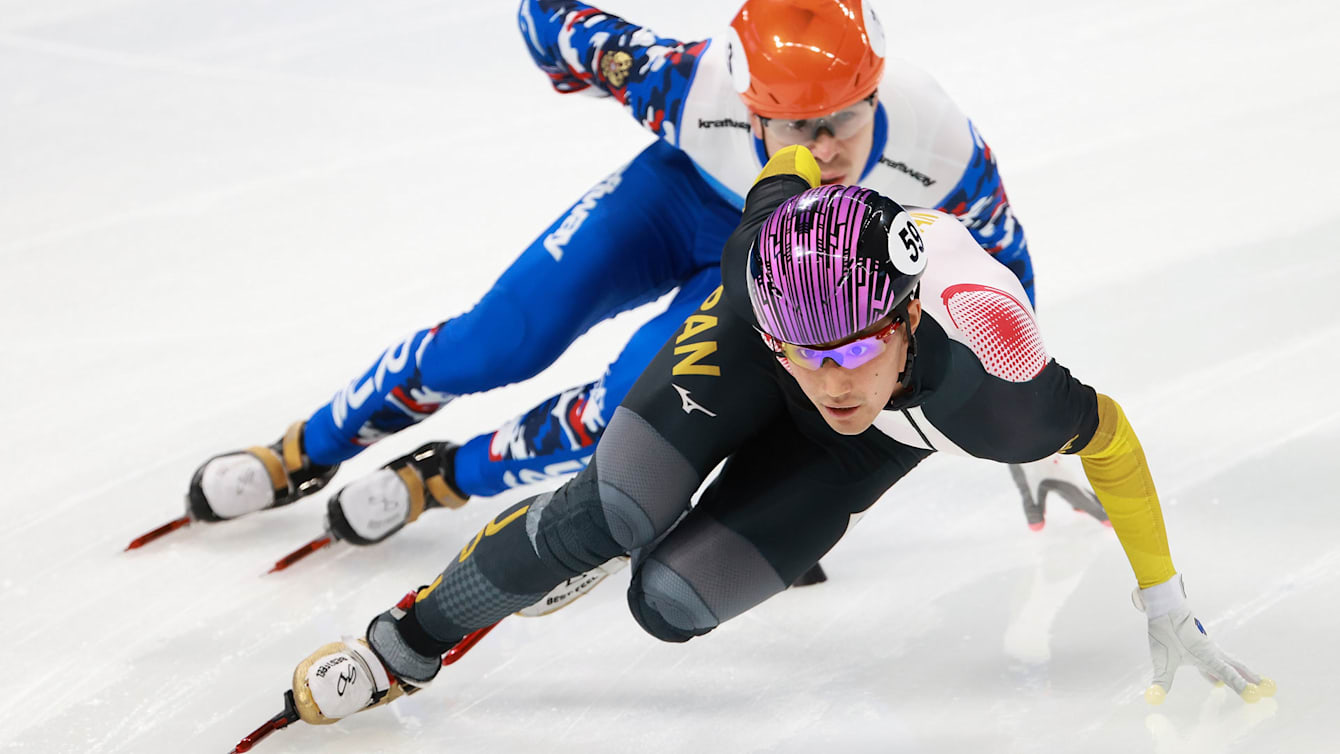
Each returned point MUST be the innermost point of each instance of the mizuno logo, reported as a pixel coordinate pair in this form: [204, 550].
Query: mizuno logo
[690, 405]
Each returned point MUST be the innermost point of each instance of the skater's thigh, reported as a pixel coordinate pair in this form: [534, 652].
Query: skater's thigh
[627, 241]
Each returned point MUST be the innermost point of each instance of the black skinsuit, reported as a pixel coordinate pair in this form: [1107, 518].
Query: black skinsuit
[785, 495]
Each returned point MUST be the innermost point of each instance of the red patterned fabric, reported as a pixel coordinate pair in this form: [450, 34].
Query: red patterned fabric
[999, 329]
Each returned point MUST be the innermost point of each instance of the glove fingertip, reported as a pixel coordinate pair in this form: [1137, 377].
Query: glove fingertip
[1267, 687]
[1164, 673]
[1243, 669]
[1227, 674]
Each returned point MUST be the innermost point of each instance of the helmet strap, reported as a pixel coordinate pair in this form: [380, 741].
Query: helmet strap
[900, 312]
[905, 376]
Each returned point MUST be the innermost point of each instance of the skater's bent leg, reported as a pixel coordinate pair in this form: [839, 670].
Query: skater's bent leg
[557, 437]
[387, 398]
[652, 458]
[776, 508]
[707, 574]
[618, 247]
[501, 340]
[634, 490]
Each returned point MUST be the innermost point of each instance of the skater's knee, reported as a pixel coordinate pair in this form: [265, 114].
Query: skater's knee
[666, 605]
[598, 515]
[498, 342]
[644, 482]
[568, 528]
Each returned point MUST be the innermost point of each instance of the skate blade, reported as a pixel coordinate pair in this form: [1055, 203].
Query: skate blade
[278, 722]
[320, 542]
[162, 531]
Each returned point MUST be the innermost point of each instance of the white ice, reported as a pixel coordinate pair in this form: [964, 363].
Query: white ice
[213, 214]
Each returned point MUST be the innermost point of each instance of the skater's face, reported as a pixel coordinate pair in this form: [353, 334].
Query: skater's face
[840, 142]
[850, 399]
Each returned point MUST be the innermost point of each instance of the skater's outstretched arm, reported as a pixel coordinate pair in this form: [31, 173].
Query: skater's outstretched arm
[581, 47]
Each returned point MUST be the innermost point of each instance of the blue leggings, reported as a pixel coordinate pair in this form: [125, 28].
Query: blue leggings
[646, 229]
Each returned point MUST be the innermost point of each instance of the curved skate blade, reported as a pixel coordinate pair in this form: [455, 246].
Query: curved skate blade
[302, 552]
[161, 531]
[1079, 500]
[1035, 510]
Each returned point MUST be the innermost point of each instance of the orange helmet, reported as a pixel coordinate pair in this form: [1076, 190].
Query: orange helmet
[799, 59]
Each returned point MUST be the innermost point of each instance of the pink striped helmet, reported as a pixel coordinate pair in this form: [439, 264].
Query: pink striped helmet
[831, 262]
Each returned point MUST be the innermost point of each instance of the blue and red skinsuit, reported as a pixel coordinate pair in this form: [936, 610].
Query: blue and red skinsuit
[657, 224]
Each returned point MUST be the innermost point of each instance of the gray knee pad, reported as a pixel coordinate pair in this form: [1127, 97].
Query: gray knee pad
[645, 484]
[636, 487]
[701, 575]
[666, 605]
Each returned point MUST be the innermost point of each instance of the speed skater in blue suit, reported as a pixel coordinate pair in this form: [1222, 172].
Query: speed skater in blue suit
[719, 107]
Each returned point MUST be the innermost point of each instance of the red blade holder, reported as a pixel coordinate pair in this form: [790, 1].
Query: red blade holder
[282, 720]
[167, 528]
[302, 552]
[464, 645]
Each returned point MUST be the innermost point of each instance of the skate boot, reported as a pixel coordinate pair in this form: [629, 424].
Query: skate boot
[1057, 474]
[349, 676]
[342, 678]
[373, 508]
[234, 484]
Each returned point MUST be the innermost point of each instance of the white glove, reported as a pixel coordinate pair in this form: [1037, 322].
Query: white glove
[1176, 637]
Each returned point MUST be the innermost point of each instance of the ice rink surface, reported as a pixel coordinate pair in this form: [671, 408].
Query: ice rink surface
[214, 214]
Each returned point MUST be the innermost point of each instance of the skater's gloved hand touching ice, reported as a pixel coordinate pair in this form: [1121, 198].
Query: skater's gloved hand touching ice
[1176, 638]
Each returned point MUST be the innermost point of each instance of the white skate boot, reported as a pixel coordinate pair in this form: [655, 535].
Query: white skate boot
[369, 510]
[234, 484]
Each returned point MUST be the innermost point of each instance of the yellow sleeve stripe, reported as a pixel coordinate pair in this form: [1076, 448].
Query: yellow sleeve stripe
[1115, 463]
[794, 160]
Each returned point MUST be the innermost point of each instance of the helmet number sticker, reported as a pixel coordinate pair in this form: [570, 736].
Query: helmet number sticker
[736, 62]
[874, 30]
[914, 248]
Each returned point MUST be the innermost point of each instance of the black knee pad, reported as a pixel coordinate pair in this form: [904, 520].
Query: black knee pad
[569, 529]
